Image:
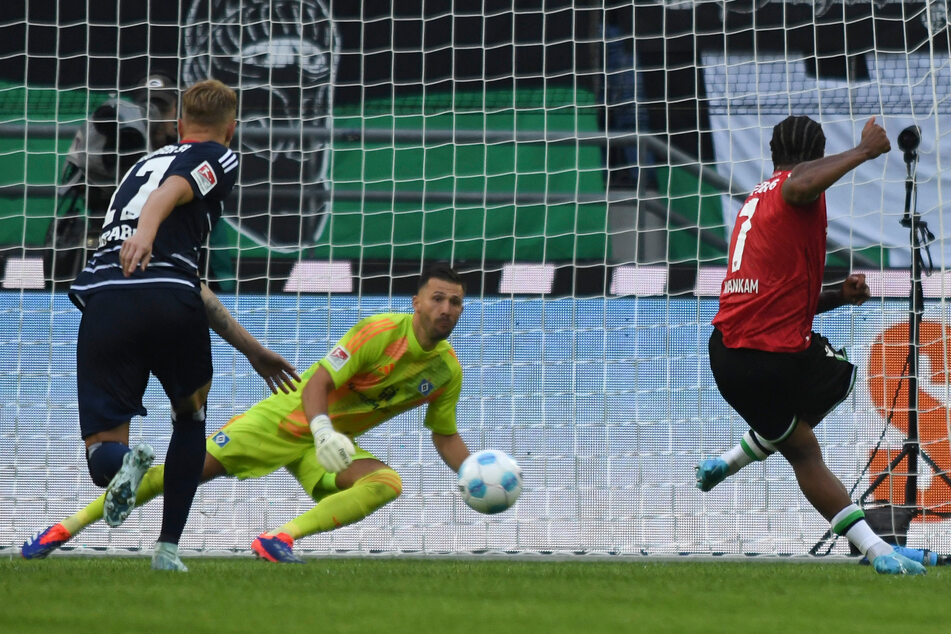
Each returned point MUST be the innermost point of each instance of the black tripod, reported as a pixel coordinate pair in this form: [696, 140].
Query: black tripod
[895, 520]
[889, 521]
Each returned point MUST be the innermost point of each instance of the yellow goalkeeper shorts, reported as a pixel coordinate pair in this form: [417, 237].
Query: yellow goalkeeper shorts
[252, 445]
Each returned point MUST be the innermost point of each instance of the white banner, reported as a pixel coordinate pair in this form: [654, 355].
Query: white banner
[749, 96]
[865, 207]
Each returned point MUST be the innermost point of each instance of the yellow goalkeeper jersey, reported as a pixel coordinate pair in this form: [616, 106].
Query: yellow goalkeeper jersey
[379, 370]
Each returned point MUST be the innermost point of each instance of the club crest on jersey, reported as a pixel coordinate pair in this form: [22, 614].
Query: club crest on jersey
[221, 439]
[204, 177]
[338, 357]
[425, 387]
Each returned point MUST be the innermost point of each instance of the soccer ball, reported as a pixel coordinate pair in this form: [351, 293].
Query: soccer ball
[490, 481]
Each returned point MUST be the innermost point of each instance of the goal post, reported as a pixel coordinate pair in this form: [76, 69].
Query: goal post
[581, 164]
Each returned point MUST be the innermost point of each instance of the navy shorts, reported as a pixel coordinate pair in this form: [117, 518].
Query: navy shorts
[774, 390]
[126, 334]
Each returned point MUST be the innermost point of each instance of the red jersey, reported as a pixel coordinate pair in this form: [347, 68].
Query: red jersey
[774, 275]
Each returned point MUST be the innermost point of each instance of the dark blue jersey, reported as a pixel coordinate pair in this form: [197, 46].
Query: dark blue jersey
[211, 170]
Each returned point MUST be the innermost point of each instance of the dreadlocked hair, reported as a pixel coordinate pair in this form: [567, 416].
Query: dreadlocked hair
[797, 139]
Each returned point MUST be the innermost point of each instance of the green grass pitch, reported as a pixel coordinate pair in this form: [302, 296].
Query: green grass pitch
[477, 594]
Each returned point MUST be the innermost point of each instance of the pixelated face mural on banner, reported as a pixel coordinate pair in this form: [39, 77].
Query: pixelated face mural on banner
[323, 88]
[281, 57]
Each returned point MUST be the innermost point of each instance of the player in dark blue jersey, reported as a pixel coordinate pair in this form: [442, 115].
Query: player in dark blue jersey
[146, 311]
[186, 207]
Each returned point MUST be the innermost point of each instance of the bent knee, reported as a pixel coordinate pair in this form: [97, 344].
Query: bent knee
[188, 410]
[385, 484]
[192, 407]
[801, 447]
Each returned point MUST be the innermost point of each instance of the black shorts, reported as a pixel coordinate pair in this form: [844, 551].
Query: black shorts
[774, 390]
[126, 334]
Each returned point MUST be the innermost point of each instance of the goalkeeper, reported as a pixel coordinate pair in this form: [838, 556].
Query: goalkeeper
[385, 365]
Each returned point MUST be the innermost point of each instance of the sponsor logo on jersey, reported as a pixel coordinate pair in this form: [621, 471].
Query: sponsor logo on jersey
[221, 439]
[338, 357]
[204, 176]
[425, 387]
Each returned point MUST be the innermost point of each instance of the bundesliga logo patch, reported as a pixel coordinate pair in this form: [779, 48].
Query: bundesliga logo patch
[425, 387]
[221, 439]
[338, 357]
[204, 177]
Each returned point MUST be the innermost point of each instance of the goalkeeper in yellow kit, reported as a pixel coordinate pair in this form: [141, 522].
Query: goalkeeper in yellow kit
[385, 365]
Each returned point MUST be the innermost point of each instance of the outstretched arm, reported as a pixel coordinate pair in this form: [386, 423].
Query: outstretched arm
[853, 291]
[316, 393]
[273, 368]
[136, 251]
[809, 179]
[452, 449]
[334, 450]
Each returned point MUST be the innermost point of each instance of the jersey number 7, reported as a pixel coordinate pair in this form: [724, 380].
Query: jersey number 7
[155, 168]
[746, 212]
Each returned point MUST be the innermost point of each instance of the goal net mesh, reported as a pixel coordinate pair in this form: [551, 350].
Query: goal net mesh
[580, 163]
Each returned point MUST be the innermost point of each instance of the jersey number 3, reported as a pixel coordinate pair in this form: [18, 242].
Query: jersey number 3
[746, 212]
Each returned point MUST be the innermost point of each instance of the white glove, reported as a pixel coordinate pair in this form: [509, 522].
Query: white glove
[334, 450]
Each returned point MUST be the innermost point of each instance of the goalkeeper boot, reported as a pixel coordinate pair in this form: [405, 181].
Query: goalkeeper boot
[166, 557]
[42, 544]
[277, 548]
[120, 495]
[897, 564]
[711, 472]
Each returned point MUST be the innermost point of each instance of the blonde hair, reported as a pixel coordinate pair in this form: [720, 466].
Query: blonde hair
[209, 103]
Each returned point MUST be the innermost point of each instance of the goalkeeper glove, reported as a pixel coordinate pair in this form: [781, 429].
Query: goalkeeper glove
[334, 450]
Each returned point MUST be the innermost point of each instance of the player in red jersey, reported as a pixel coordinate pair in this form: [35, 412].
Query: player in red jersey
[781, 377]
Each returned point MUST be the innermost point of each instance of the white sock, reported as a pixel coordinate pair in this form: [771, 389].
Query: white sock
[735, 458]
[851, 523]
[757, 447]
[751, 448]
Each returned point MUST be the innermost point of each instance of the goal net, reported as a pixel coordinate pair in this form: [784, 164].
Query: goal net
[581, 164]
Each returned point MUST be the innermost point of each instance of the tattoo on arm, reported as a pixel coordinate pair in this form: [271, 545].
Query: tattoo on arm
[227, 327]
[218, 316]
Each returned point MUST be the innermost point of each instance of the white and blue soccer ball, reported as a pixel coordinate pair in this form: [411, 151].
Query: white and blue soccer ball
[490, 481]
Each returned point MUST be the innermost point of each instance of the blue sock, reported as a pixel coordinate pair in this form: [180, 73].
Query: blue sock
[183, 466]
[104, 460]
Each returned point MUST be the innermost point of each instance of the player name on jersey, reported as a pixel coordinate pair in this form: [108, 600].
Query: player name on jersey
[741, 285]
[120, 233]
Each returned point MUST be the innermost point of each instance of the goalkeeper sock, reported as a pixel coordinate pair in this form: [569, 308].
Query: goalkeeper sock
[346, 507]
[150, 487]
[851, 523]
[752, 447]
